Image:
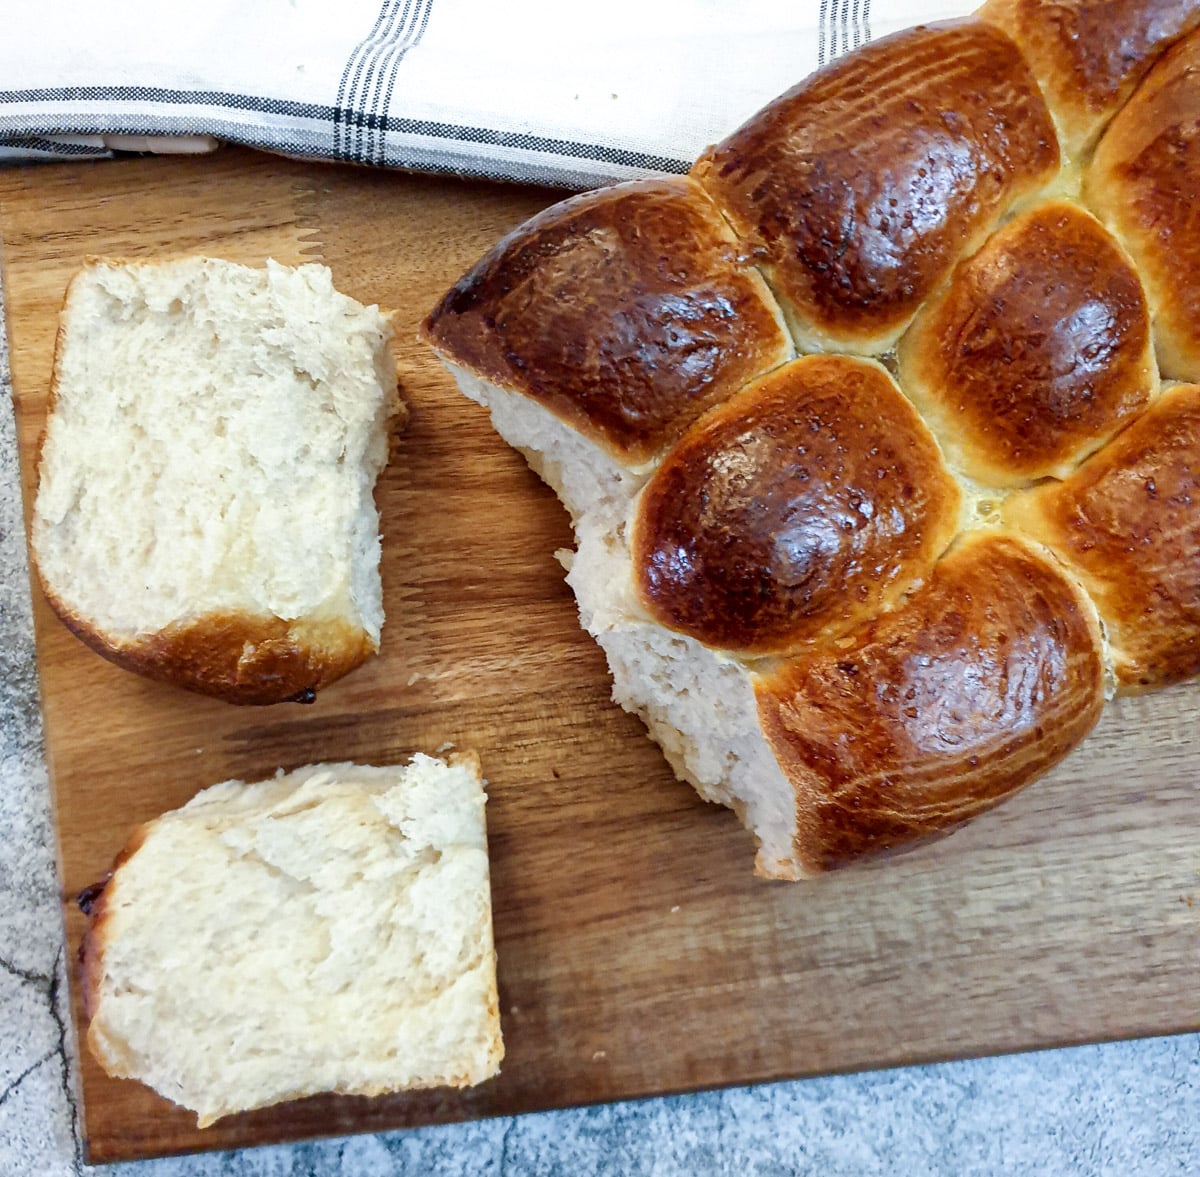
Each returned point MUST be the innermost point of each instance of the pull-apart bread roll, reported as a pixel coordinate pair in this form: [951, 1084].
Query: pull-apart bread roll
[617, 318]
[327, 930]
[1127, 524]
[858, 189]
[205, 511]
[1143, 181]
[798, 509]
[981, 680]
[863, 593]
[1036, 352]
[1089, 54]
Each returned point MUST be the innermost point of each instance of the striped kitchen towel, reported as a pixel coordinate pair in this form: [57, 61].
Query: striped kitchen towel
[571, 94]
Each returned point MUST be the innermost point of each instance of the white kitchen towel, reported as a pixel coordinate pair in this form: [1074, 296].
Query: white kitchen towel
[571, 94]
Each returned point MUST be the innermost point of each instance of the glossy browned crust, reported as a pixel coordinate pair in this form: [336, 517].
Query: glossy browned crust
[1038, 352]
[801, 507]
[627, 312]
[860, 188]
[1144, 181]
[236, 657]
[973, 688]
[1089, 54]
[1128, 524]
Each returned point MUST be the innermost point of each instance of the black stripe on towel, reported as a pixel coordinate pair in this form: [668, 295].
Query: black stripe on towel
[385, 67]
[348, 84]
[103, 100]
[365, 90]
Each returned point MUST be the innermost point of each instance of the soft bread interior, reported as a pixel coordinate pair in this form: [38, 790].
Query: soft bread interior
[213, 444]
[585, 477]
[328, 930]
[697, 703]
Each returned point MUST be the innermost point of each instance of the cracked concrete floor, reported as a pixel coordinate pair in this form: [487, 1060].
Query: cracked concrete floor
[1126, 1108]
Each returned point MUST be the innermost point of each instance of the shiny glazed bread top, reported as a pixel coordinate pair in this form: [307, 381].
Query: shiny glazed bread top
[798, 509]
[974, 686]
[627, 311]
[1127, 522]
[1144, 181]
[914, 560]
[1037, 351]
[858, 189]
[1089, 54]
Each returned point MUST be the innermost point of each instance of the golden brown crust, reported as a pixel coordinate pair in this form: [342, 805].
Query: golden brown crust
[1089, 54]
[236, 657]
[1143, 181]
[860, 188]
[627, 312]
[1128, 524]
[907, 695]
[1038, 351]
[811, 500]
[978, 684]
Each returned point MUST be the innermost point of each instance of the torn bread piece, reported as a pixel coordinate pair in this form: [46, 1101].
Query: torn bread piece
[205, 512]
[329, 930]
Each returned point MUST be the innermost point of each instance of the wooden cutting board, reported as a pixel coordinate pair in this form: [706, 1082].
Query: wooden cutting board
[637, 953]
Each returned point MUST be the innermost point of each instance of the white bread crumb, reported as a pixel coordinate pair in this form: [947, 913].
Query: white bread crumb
[325, 931]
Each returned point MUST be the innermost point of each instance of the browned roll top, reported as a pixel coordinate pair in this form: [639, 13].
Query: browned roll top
[861, 187]
[978, 684]
[1128, 523]
[802, 507]
[1038, 352]
[1089, 54]
[627, 312]
[1144, 181]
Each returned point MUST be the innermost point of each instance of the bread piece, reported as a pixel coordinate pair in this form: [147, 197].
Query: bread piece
[1126, 523]
[822, 623]
[803, 506]
[860, 189]
[978, 684]
[1143, 182]
[927, 716]
[1038, 351]
[627, 312]
[204, 513]
[329, 930]
[1089, 54]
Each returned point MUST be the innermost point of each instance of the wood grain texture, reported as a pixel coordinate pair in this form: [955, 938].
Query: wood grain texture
[637, 953]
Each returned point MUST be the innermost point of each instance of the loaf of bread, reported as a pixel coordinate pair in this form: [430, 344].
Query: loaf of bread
[877, 488]
[205, 512]
[329, 930]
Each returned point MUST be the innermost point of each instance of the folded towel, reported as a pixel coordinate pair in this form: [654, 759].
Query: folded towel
[574, 95]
